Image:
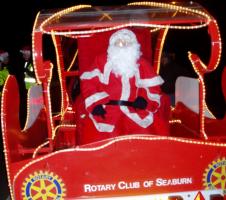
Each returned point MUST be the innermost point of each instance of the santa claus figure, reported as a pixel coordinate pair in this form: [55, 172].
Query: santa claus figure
[122, 93]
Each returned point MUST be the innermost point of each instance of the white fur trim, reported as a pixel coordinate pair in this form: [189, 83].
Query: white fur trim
[94, 98]
[125, 88]
[145, 83]
[103, 78]
[102, 127]
[153, 97]
[142, 83]
[90, 75]
[144, 123]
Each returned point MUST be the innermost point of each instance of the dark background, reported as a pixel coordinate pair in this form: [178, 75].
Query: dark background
[17, 19]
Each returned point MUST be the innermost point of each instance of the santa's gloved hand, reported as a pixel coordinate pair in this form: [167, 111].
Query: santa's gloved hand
[98, 110]
[140, 103]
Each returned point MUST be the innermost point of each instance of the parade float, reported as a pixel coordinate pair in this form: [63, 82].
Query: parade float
[58, 153]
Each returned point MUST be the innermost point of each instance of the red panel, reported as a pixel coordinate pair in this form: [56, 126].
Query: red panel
[128, 164]
[16, 140]
[214, 128]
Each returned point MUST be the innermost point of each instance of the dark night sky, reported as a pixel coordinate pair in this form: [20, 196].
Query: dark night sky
[17, 19]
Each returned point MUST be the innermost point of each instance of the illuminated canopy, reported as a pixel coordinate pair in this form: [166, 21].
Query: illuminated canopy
[82, 18]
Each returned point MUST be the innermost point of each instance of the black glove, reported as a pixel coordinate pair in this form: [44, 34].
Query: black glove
[140, 103]
[99, 111]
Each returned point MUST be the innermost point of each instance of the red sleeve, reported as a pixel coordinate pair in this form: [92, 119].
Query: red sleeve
[147, 73]
[92, 89]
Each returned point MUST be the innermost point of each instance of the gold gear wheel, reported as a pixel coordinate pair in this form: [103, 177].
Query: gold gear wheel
[215, 175]
[43, 185]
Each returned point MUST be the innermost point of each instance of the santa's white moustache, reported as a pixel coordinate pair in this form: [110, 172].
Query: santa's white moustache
[123, 60]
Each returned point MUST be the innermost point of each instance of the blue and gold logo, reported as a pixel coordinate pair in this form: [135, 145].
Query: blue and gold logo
[215, 175]
[43, 185]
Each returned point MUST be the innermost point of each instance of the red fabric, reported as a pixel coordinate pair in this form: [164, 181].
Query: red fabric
[87, 133]
[88, 49]
[123, 124]
[114, 88]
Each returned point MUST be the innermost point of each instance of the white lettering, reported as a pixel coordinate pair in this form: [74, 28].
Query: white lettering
[147, 184]
[98, 188]
[124, 186]
[174, 181]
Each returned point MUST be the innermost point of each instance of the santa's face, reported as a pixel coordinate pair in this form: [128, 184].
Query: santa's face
[123, 55]
[122, 42]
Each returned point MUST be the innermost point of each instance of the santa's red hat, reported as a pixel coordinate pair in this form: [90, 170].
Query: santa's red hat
[3, 55]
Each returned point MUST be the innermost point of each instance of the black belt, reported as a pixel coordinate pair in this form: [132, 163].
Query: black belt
[120, 103]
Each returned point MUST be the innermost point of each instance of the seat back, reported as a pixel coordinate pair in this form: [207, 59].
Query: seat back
[97, 44]
[187, 92]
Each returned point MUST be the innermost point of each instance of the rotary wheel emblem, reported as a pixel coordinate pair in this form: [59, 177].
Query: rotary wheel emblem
[43, 186]
[215, 175]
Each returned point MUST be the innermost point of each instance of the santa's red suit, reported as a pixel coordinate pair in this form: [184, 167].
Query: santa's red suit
[117, 92]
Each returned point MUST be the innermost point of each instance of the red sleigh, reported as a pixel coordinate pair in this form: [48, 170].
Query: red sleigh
[48, 159]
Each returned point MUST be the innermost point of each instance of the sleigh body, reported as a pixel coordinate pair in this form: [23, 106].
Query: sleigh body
[47, 160]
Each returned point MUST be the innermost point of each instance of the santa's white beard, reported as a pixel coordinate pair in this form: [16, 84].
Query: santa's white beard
[123, 60]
